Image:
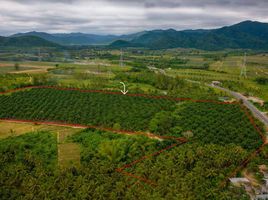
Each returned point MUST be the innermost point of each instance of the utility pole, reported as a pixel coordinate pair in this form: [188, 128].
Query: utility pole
[121, 62]
[244, 67]
[39, 54]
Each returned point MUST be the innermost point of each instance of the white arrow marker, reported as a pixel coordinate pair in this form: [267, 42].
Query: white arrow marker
[124, 91]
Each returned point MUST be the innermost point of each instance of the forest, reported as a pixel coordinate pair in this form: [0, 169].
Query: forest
[190, 171]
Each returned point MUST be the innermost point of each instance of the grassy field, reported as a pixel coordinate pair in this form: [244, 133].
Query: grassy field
[68, 155]
[15, 129]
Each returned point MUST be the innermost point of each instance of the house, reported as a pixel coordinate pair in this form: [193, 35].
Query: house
[238, 181]
[261, 196]
[217, 83]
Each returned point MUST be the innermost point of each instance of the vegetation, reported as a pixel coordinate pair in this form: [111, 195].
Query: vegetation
[220, 136]
[25, 41]
[30, 149]
[262, 80]
[17, 66]
[217, 124]
[24, 176]
[82, 108]
[217, 39]
[209, 122]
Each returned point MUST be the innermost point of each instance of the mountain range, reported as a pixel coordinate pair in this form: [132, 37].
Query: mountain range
[78, 38]
[26, 41]
[244, 35]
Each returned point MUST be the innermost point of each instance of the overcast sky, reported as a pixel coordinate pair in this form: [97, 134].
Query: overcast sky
[124, 16]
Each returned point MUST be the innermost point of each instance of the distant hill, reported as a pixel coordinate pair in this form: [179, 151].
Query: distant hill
[123, 43]
[245, 35]
[80, 38]
[25, 41]
[76, 38]
[248, 34]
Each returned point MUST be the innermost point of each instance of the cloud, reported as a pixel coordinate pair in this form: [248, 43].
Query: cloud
[121, 16]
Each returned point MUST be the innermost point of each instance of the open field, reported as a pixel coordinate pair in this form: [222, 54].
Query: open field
[68, 155]
[16, 128]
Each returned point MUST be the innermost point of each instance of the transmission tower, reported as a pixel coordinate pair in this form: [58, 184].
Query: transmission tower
[244, 67]
[121, 62]
[39, 54]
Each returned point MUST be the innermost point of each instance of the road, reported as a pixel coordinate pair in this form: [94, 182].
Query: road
[256, 112]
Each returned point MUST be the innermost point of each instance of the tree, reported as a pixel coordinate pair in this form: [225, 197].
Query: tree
[116, 126]
[17, 66]
[161, 123]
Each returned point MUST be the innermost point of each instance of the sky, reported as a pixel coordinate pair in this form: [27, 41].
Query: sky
[125, 16]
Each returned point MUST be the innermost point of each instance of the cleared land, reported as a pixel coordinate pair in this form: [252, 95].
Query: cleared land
[68, 155]
[16, 128]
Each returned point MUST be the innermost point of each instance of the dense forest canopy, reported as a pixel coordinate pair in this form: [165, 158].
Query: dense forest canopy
[191, 171]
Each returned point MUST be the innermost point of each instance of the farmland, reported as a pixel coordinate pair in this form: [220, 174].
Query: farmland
[168, 98]
[102, 153]
[209, 122]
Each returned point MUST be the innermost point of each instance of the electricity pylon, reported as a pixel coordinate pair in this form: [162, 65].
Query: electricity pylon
[121, 62]
[39, 54]
[244, 67]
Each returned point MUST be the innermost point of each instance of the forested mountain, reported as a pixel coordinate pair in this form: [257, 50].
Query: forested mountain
[79, 38]
[71, 38]
[25, 41]
[247, 34]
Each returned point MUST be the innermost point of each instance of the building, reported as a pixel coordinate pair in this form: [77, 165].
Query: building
[217, 83]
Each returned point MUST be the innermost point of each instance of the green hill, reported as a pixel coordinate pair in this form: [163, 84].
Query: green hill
[245, 35]
[25, 41]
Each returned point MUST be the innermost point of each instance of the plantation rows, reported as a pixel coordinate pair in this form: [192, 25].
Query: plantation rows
[118, 111]
[208, 122]
[219, 124]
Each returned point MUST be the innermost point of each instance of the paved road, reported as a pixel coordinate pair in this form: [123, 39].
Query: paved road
[258, 114]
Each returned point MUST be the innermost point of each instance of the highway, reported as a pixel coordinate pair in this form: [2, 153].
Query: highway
[256, 112]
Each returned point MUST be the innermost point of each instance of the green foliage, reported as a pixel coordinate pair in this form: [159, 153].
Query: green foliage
[262, 80]
[176, 87]
[12, 81]
[117, 126]
[245, 35]
[25, 41]
[191, 171]
[17, 66]
[263, 108]
[218, 124]
[40, 146]
[114, 148]
[161, 123]
[209, 122]
[132, 113]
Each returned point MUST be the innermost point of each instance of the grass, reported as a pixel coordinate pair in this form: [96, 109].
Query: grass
[11, 69]
[68, 155]
[15, 129]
